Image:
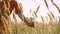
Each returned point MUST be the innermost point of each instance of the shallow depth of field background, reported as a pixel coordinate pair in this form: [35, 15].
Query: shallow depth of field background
[20, 27]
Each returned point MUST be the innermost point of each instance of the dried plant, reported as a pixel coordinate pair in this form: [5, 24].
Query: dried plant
[4, 19]
[14, 16]
[35, 13]
[46, 4]
[42, 19]
[55, 6]
[51, 18]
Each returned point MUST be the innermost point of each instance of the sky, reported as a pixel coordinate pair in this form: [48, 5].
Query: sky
[33, 4]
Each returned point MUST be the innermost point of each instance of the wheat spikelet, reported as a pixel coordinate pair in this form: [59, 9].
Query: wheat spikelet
[51, 12]
[4, 25]
[20, 11]
[57, 9]
[4, 19]
[51, 18]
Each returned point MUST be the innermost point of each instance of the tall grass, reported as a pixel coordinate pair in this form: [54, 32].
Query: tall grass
[51, 28]
[22, 28]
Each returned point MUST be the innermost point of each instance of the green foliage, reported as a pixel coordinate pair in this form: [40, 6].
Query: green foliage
[29, 19]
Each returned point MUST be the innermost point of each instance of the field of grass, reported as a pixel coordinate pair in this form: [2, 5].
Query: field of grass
[22, 28]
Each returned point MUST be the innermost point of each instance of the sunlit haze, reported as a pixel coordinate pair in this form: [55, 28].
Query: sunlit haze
[43, 11]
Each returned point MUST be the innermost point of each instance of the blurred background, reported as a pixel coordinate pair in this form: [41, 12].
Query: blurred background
[42, 12]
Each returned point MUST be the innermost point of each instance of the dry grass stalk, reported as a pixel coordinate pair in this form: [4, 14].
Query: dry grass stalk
[51, 18]
[55, 6]
[14, 16]
[37, 11]
[35, 15]
[20, 14]
[51, 14]
[42, 19]
[46, 4]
